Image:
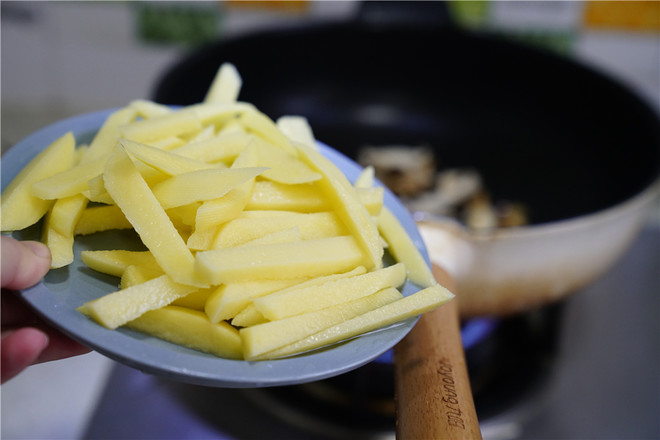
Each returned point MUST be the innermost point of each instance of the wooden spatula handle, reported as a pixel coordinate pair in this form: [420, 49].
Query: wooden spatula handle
[433, 395]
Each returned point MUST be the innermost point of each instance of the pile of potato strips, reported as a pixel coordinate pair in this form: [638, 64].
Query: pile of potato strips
[257, 246]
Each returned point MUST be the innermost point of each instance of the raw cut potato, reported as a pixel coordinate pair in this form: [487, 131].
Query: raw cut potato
[306, 197]
[284, 167]
[162, 160]
[297, 129]
[115, 262]
[371, 198]
[122, 306]
[307, 258]
[400, 245]
[346, 204]
[148, 109]
[142, 209]
[106, 138]
[96, 191]
[388, 314]
[229, 299]
[304, 300]
[19, 207]
[202, 185]
[366, 178]
[284, 236]
[161, 126]
[58, 228]
[213, 213]
[310, 226]
[262, 338]
[193, 330]
[225, 86]
[195, 300]
[248, 317]
[101, 218]
[404, 250]
[263, 126]
[216, 150]
[70, 182]
[256, 245]
[134, 275]
[66, 213]
[60, 245]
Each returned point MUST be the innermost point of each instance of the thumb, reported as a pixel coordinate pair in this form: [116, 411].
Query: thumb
[23, 263]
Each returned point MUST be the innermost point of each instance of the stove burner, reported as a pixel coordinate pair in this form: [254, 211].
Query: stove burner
[472, 331]
[475, 330]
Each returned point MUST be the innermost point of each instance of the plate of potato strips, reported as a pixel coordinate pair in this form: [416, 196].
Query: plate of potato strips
[213, 245]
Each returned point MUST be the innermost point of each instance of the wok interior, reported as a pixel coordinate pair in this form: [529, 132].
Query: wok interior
[556, 136]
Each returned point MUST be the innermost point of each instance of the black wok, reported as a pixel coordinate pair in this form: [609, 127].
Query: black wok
[568, 141]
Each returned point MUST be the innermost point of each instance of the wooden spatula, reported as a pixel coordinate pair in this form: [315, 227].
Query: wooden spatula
[433, 395]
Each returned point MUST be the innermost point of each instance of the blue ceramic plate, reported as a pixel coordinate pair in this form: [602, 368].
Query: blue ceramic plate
[63, 290]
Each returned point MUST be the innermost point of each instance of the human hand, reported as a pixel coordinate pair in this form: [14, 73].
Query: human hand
[26, 339]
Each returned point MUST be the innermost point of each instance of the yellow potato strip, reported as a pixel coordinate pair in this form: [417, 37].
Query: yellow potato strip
[184, 214]
[371, 198]
[219, 114]
[284, 167]
[311, 226]
[366, 178]
[295, 301]
[168, 143]
[134, 274]
[262, 125]
[347, 205]
[420, 302]
[201, 185]
[60, 245]
[229, 299]
[131, 193]
[215, 212]
[248, 317]
[66, 213]
[221, 148]
[306, 258]
[402, 248]
[117, 308]
[115, 262]
[161, 126]
[218, 211]
[148, 109]
[163, 161]
[20, 208]
[201, 240]
[69, 182]
[193, 330]
[194, 300]
[263, 338]
[59, 226]
[101, 218]
[297, 129]
[226, 85]
[289, 235]
[305, 197]
[106, 138]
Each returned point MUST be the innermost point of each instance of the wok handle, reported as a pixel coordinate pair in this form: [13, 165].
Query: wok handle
[433, 394]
